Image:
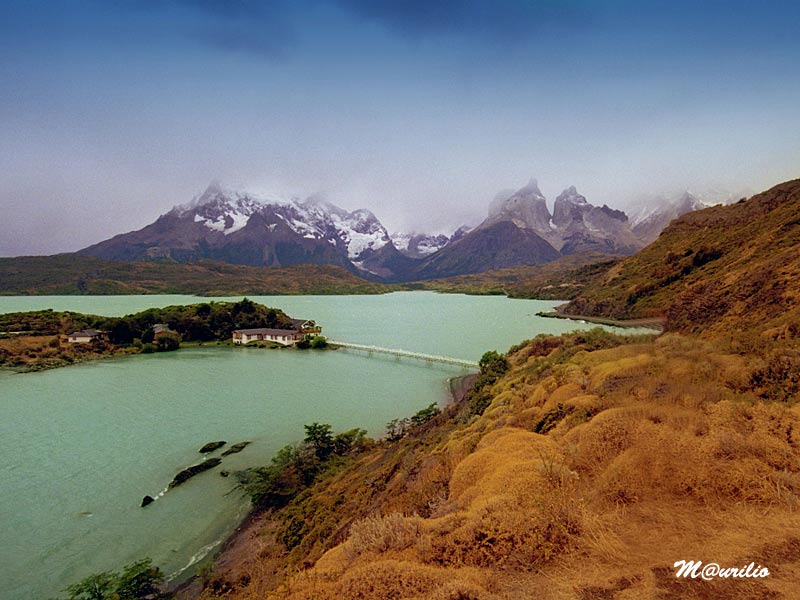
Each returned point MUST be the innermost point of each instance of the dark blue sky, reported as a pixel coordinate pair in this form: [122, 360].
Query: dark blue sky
[113, 111]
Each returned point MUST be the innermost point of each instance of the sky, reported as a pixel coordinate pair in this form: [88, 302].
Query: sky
[113, 111]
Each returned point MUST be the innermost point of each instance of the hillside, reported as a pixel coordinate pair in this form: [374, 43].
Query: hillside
[599, 462]
[713, 271]
[68, 274]
[586, 465]
[498, 245]
[561, 279]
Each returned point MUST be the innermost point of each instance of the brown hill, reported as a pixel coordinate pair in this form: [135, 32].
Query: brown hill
[712, 270]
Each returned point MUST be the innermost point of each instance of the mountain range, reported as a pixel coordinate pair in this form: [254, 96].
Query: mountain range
[239, 228]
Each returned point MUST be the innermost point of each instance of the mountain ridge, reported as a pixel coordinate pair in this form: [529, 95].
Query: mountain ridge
[280, 231]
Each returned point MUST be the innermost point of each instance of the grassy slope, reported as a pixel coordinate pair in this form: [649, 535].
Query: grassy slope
[600, 461]
[562, 279]
[79, 274]
[71, 274]
[710, 269]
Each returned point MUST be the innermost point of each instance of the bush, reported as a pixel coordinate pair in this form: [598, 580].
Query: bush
[148, 348]
[138, 581]
[493, 365]
[319, 341]
[396, 429]
[381, 533]
[168, 341]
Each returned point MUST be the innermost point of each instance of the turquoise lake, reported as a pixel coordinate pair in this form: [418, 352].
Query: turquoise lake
[82, 445]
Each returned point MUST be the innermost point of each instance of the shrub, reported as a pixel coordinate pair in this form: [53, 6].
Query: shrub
[168, 341]
[381, 533]
[492, 365]
[148, 348]
[138, 581]
[319, 341]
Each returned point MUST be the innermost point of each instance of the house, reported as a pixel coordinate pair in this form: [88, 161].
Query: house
[84, 336]
[160, 328]
[287, 337]
[306, 326]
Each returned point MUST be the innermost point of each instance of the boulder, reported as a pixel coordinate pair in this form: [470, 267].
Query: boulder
[236, 448]
[147, 500]
[211, 446]
[190, 472]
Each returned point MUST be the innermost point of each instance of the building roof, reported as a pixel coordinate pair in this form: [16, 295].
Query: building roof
[298, 323]
[85, 333]
[160, 327]
[265, 331]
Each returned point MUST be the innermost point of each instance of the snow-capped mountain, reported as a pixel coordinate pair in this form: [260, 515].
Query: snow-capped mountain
[655, 212]
[267, 231]
[419, 245]
[243, 228]
[649, 222]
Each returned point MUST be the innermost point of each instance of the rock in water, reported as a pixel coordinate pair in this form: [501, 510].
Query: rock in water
[236, 448]
[211, 446]
[224, 473]
[147, 500]
[190, 472]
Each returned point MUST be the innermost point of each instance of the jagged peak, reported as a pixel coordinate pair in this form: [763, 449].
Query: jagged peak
[530, 189]
[571, 195]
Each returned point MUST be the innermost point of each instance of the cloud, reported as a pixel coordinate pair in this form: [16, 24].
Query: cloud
[501, 19]
[254, 27]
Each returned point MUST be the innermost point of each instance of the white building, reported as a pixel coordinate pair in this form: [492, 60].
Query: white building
[287, 337]
[84, 336]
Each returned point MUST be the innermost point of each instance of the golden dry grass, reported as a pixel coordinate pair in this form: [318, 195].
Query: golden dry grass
[647, 453]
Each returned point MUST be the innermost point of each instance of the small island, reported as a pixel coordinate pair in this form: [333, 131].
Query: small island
[45, 339]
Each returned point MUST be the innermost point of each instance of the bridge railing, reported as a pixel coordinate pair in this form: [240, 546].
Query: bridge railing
[406, 353]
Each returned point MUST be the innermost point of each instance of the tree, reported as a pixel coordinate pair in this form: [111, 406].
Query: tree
[120, 332]
[245, 305]
[320, 438]
[319, 341]
[493, 363]
[138, 581]
[346, 442]
[167, 341]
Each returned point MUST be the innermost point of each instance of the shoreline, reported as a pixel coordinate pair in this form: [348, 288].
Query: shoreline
[239, 540]
[654, 323]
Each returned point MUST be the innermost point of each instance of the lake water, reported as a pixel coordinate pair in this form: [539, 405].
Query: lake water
[81, 445]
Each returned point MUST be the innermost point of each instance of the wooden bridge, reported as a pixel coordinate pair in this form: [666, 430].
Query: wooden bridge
[460, 362]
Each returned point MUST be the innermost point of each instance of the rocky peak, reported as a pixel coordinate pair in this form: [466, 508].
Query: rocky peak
[526, 208]
[569, 206]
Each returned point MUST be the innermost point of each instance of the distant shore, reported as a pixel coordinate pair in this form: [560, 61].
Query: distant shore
[655, 323]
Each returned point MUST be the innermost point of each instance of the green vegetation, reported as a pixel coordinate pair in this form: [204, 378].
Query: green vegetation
[207, 321]
[137, 581]
[316, 342]
[295, 467]
[71, 274]
[168, 341]
[36, 349]
[492, 366]
[397, 429]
